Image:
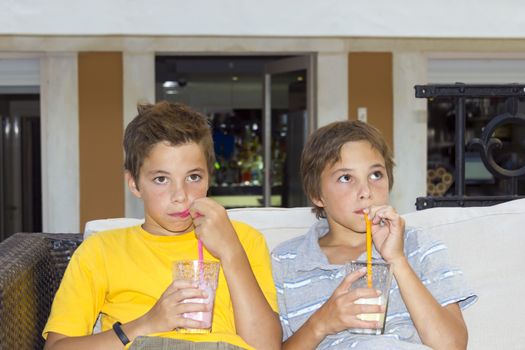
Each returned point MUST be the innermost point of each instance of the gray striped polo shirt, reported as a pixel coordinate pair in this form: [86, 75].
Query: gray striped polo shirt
[304, 280]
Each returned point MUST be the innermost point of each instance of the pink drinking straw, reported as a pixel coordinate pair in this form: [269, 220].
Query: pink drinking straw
[201, 259]
[201, 255]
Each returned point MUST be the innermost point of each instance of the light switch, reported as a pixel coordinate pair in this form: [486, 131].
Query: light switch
[362, 114]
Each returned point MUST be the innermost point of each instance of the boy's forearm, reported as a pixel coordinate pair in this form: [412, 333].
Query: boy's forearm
[255, 320]
[437, 326]
[103, 340]
[307, 337]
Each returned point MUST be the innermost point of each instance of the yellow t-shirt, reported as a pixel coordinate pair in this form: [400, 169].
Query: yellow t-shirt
[122, 273]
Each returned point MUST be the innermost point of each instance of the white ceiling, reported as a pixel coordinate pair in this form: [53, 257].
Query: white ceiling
[295, 18]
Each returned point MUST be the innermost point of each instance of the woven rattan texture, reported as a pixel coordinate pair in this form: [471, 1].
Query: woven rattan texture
[31, 268]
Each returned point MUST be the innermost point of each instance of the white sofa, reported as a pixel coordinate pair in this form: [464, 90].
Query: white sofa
[486, 242]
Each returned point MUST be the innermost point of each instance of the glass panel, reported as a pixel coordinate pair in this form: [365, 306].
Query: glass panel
[441, 156]
[288, 135]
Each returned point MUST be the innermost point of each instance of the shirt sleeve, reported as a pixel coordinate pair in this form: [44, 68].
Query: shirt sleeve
[444, 281]
[278, 277]
[80, 296]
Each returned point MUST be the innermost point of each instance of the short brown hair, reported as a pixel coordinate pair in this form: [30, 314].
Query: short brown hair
[323, 149]
[174, 123]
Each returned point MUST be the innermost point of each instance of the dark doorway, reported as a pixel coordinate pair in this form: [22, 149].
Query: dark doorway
[260, 115]
[20, 164]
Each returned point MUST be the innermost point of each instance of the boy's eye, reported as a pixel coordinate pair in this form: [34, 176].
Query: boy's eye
[160, 179]
[376, 175]
[194, 178]
[344, 178]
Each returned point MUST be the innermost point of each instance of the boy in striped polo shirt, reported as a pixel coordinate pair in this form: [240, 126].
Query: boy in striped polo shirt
[346, 169]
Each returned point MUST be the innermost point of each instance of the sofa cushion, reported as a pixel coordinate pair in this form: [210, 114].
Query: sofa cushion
[109, 224]
[487, 244]
[276, 224]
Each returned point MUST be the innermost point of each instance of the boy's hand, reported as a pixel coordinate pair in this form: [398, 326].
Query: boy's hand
[340, 312]
[213, 227]
[167, 313]
[388, 228]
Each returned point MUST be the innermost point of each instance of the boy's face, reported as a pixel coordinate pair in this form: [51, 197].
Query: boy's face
[357, 181]
[170, 179]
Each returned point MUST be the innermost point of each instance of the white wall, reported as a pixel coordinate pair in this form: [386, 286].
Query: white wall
[410, 131]
[381, 18]
[60, 150]
[332, 87]
[139, 86]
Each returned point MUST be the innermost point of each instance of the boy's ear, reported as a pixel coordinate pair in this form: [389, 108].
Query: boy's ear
[318, 202]
[132, 185]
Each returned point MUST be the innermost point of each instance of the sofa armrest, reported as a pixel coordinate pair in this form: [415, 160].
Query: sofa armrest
[31, 268]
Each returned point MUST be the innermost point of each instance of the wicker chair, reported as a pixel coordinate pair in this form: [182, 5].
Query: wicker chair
[31, 268]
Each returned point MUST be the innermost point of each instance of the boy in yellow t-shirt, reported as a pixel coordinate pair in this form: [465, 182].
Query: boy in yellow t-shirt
[126, 274]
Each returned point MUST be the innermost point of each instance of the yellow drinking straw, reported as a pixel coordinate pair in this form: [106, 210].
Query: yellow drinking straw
[368, 251]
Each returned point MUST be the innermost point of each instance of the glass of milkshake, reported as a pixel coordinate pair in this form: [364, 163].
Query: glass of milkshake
[381, 280]
[205, 273]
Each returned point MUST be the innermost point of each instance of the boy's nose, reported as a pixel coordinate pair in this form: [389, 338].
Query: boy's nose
[364, 191]
[178, 194]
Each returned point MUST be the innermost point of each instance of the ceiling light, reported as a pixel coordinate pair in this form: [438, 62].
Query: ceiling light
[170, 84]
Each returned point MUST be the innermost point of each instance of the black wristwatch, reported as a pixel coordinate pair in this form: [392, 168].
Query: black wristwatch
[120, 333]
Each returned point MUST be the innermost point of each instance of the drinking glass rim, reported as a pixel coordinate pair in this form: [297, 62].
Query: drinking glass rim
[193, 260]
[195, 263]
[383, 263]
